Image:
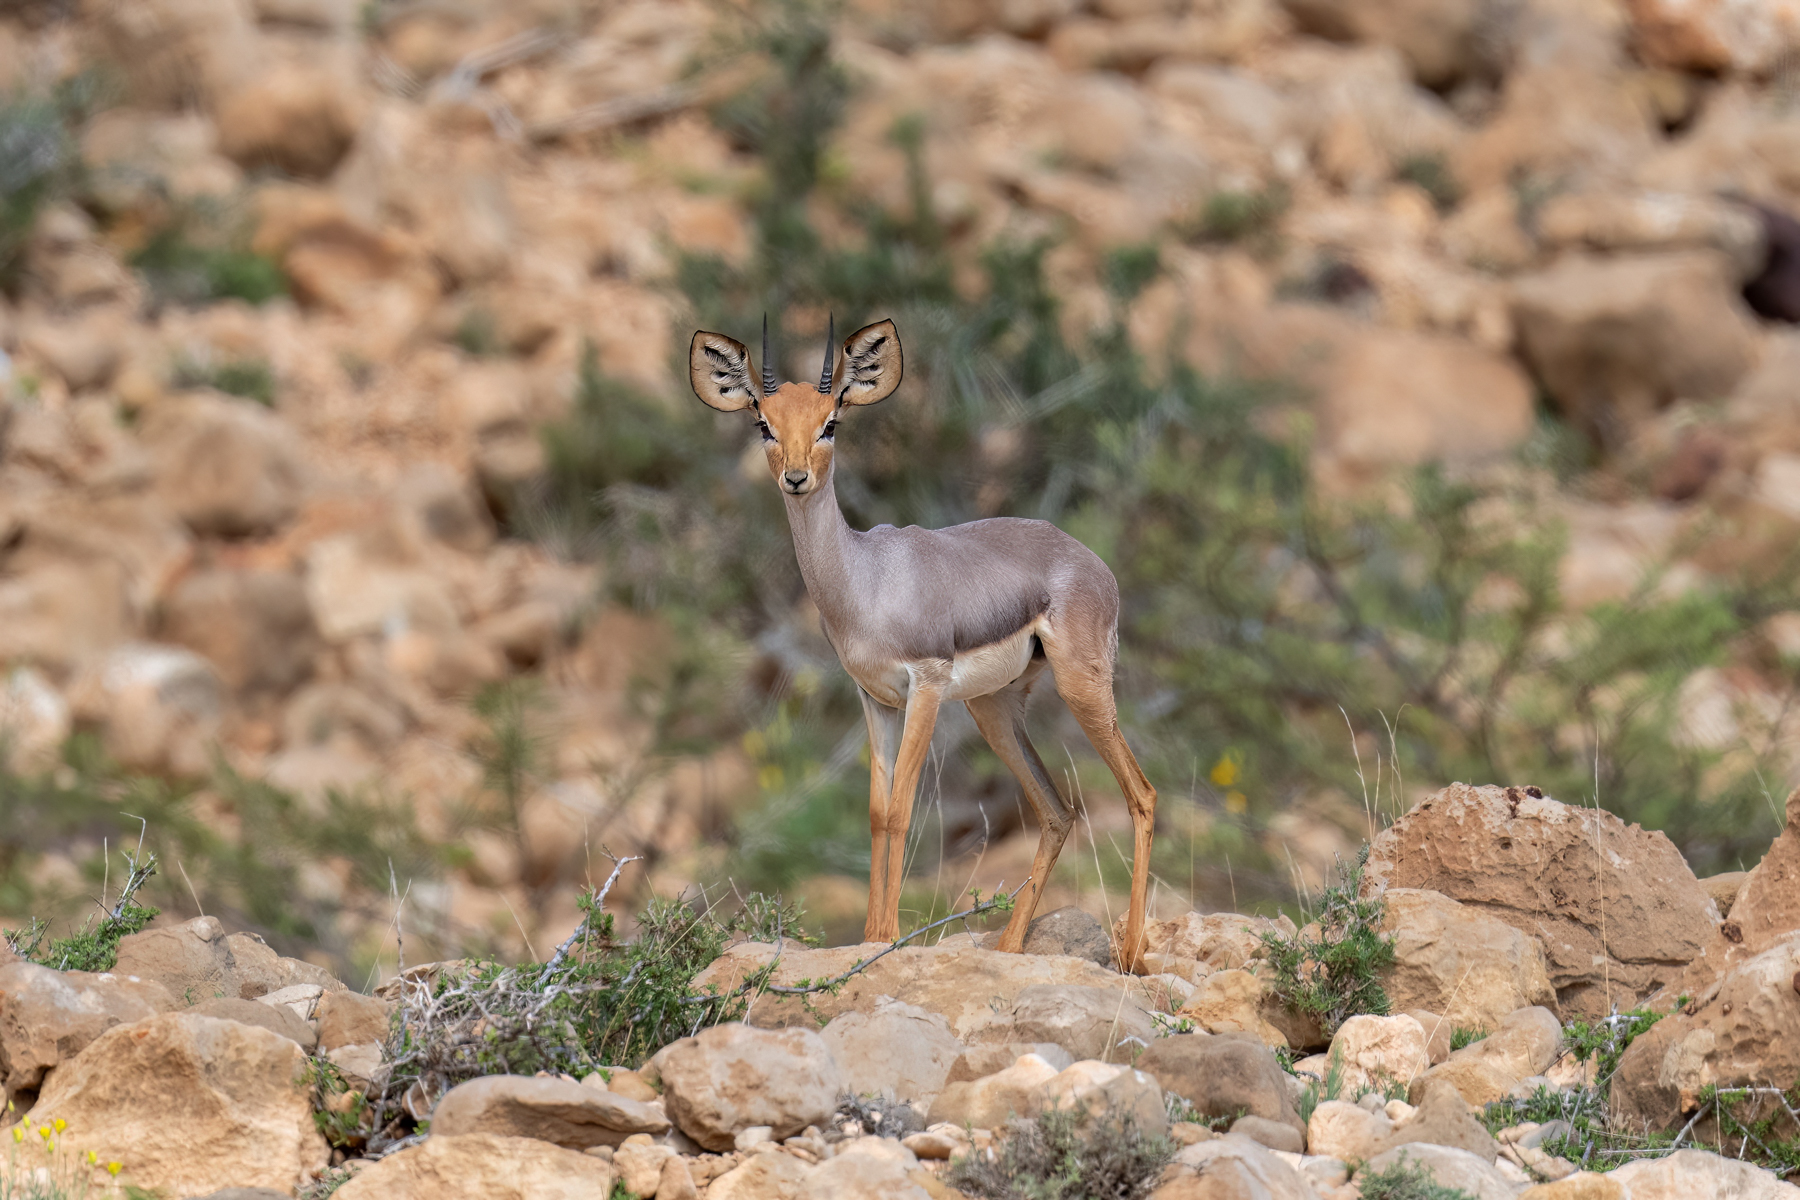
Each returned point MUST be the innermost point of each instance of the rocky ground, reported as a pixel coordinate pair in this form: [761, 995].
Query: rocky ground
[1476, 203]
[1520, 927]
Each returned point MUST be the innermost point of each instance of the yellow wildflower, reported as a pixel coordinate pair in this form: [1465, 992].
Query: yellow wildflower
[44, 1132]
[1225, 772]
[18, 1133]
[113, 1168]
[59, 1124]
[93, 1159]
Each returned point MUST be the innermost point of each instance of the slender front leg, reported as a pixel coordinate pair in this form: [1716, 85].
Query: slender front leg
[885, 726]
[922, 701]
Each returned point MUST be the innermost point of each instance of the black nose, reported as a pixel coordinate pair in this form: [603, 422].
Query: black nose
[794, 479]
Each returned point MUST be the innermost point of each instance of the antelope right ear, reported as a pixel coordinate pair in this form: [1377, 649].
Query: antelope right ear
[870, 369]
[719, 369]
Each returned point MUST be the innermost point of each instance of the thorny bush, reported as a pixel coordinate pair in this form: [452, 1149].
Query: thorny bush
[1060, 1156]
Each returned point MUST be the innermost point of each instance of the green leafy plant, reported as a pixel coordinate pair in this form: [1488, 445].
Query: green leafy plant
[1462, 1035]
[248, 378]
[1432, 174]
[1605, 1040]
[1232, 216]
[1329, 1086]
[193, 260]
[1058, 1156]
[92, 947]
[1405, 1179]
[1335, 975]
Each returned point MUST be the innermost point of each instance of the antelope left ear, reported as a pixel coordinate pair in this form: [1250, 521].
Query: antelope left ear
[870, 368]
[719, 369]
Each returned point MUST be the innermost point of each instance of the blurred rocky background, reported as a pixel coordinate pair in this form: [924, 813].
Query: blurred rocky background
[1423, 368]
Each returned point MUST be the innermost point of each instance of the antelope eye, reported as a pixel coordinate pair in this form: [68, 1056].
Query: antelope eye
[763, 428]
[830, 428]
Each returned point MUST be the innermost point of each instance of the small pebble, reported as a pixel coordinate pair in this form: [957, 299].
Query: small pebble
[756, 1135]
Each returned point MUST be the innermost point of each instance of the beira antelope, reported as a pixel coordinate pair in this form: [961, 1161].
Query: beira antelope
[919, 617]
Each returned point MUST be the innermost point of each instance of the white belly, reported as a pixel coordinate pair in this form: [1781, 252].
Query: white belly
[986, 669]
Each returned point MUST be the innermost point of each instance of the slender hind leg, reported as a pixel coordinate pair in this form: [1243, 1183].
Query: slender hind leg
[1083, 667]
[1001, 719]
[885, 727]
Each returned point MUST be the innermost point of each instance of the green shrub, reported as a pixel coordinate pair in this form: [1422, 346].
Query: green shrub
[1462, 1035]
[1406, 1180]
[1234, 216]
[1057, 1156]
[92, 947]
[1432, 174]
[1336, 975]
[183, 269]
[248, 378]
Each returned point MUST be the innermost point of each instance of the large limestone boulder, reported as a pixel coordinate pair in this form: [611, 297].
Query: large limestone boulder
[1345, 1131]
[872, 1168]
[1526, 1044]
[992, 1100]
[1097, 1089]
[275, 1018]
[1455, 960]
[1375, 1052]
[1692, 1173]
[554, 1110]
[49, 1016]
[198, 961]
[765, 1175]
[899, 1050]
[1070, 931]
[1763, 911]
[226, 466]
[731, 1077]
[1614, 340]
[1452, 1168]
[1442, 1119]
[1549, 870]
[484, 1165]
[192, 1104]
[1745, 1033]
[1224, 1074]
[1231, 1167]
[969, 987]
[1088, 1022]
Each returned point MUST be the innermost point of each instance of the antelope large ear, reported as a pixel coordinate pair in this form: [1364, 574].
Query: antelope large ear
[870, 368]
[719, 369]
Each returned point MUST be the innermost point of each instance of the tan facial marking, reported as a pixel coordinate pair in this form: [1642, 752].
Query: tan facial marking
[795, 417]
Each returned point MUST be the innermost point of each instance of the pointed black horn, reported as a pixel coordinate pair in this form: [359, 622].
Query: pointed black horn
[769, 383]
[830, 355]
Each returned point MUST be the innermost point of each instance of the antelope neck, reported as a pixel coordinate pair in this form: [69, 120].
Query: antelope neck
[823, 542]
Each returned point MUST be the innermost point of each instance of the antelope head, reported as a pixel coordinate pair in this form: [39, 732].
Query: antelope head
[798, 421]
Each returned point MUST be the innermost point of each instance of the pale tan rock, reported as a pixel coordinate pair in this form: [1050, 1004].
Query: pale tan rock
[1233, 1002]
[485, 1165]
[1098, 1088]
[1585, 1186]
[253, 626]
[200, 1103]
[359, 1062]
[1088, 1022]
[1443, 41]
[989, 1102]
[1339, 1129]
[248, 1012]
[1745, 1030]
[48, 1016]
[1217, 941]
[640, 1167]
[1442, 1119]
[898, 1050]
[1715, 35]
[1602, 219]
[1273, 1134]
[731, 1077]
[348, 1018]
[1375, 1052]
[34, 721]
[554, 1110]
[978, 1062]
[198, 961]
[1226, 1074]
[1530, 862]
[298, 116]
[1229, 1167]
[1452, 1167]
[1701, 1173]
[1616, 339]
[1456, 960]
[158, 707]
[675, 1183]
[1723, 888]
[869, 1167]
[1525, 1044]
[940, 1142]
[226, 466]
[1437, 1032]
[770, 1175]
[969, 987]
